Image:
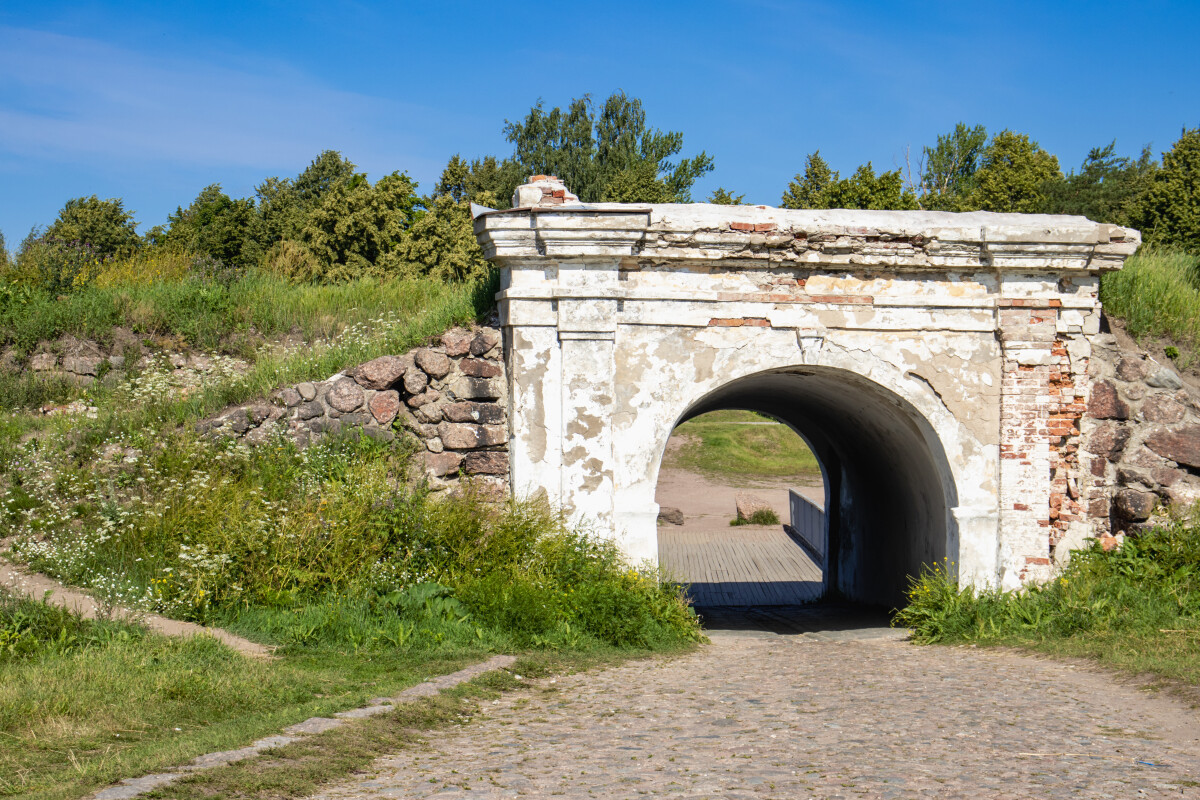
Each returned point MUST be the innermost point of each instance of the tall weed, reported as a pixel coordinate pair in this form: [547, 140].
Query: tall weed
[1157, 293]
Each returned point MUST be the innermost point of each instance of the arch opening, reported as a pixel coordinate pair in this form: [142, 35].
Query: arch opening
[888, 487]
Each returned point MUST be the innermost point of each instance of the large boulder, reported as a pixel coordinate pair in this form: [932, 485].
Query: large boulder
[748, 504]
[345, 395]
[1105, 404]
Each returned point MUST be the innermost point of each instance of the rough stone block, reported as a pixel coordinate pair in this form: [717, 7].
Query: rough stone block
[307, 391]
[489, 462]
[1162, 408]
[467, 436]
[345, 395]
[43, 362]
[1164, 378]
[310, 410]
[467, 388]
[457, 342]
[486, 413]
[670, 516]
[1105, 404]
[290, 397]
[384, 406]
[748, 504]
[1181, 445]
[381, 373]
[478, 368]
[442, 464]
[415, 381]
[484, 341]
[1134, 505]
[429, 413]
[1130, 368]
[432, 363]
[82, 365]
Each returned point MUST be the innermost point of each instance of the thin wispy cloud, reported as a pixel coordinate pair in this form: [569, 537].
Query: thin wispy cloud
[75, 99]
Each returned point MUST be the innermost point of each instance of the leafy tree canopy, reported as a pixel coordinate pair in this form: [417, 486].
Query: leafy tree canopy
[216, 225]
[1107, 187]
[822, 187]
[1012, 175]
[724, 197]
[948, 177]
[606, 155]
[441, 242]
[285, 203]
[105, 225]
[1169, 212]
[359, 228]
[487, 181]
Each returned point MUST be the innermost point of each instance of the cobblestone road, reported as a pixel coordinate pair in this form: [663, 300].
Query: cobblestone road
[828, 716]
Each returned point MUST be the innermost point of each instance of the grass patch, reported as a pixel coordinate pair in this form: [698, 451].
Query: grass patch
[762, 516]
[741, 444]
[1157, 293]
[1136, 609]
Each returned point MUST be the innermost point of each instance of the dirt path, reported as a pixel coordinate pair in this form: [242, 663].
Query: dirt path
[766, 716]
[37, 587]
[708, 505]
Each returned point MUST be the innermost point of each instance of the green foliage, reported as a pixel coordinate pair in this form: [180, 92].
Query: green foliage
[1012, 175]
[207, 531]
[1107, 188]
[441, 242]
[949, 174]
[1157, 293]
[761, 516]
[358, 230]
[821, 187]
[285, 204]
[4, 256]
[52, 265]
[1169, 212]
[487, 181]
[1152, 582]
[217, 226]
[105, 225]
[33, 630]
[605, 155]
[724, 197]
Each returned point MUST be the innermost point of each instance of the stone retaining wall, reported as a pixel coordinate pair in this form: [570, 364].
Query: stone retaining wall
[1142, 448]
[452, 397]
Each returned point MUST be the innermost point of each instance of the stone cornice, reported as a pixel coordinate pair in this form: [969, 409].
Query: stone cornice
[762, 236]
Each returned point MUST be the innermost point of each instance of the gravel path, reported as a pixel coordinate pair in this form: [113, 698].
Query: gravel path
[843, 715]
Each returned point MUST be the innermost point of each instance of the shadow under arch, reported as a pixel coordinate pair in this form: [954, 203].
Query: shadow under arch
[889, 488]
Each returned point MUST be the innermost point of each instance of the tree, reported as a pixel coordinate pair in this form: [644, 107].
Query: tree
[218, 226]
[359, 228]
[613, 153]
[807, 190]
[105, 225]
[4, 257]
[285, 203]
[1169, 212]
[441, 242]
[487, 181]
[1107, 188]
[948, 176]
[724, 197]
[1012, 175]
[822, 187]
[864, 189]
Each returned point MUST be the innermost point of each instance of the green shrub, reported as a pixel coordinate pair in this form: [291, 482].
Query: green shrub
[55, 266]
[762, 516]
[1151, 582]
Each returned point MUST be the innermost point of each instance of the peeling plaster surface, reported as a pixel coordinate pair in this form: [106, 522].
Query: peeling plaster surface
[932, 360]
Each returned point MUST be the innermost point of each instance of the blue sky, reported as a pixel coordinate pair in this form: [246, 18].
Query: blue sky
[152, 101]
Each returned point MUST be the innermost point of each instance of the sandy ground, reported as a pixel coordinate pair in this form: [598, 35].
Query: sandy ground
[709, 506]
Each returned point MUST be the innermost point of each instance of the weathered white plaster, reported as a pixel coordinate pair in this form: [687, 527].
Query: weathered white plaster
[890, 340]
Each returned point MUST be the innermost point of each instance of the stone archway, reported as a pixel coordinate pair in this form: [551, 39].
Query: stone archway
[962, 336]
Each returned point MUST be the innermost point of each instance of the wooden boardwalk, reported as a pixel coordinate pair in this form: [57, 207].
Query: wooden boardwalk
[744, 566]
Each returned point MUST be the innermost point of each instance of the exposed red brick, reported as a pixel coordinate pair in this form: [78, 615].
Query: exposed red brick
[762, 227]
[742, 226]
[737, 322]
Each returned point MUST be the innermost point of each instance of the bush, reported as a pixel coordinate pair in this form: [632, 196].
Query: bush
[54, 265]
[30, 629]
[1150, 583]
[324, 546]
